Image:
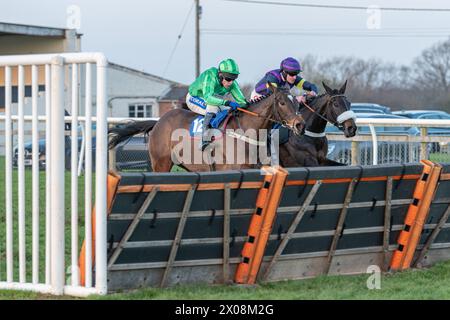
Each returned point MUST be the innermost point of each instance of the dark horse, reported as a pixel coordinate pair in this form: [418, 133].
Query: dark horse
[310, 149]
[165, 136]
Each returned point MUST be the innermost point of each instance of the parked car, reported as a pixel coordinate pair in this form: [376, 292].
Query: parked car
[42, 150]
[359, 107]
[416, 114]
[388, 152]
[432, 131]
[28, 154]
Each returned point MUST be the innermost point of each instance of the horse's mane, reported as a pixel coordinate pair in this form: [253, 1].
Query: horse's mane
[259, 99]
[312, 101]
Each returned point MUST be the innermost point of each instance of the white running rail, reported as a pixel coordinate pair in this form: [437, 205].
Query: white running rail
[42, 267]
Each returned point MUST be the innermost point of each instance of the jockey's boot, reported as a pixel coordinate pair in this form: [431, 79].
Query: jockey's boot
[206, 139]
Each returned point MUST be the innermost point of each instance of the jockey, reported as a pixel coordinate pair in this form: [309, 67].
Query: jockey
[206, 94]
[288, 77]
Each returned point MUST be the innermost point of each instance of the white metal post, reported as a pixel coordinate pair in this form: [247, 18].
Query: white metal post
[8, 177]
[374, 144]
[101, 179]
[88, 178]
[57, 177]
[48, 146]
[21, 174]
[74, 176]
[35, 173]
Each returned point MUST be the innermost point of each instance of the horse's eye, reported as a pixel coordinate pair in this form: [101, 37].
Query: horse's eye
[282, 103]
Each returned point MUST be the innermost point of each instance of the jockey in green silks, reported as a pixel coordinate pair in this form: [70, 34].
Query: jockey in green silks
[206, 94]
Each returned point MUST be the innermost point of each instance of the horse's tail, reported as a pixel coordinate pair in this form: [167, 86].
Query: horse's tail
[125, 131]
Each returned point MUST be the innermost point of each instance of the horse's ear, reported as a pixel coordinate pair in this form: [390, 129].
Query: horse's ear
[342, 89]
[327, 88]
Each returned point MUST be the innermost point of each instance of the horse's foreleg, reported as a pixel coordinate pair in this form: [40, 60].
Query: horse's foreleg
[311, 161]
[160, 157]
[161, 164]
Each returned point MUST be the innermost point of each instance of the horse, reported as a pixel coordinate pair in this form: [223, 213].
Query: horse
[165, 151]
[310, 149]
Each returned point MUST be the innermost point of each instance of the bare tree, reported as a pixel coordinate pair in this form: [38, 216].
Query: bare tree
[432, 67]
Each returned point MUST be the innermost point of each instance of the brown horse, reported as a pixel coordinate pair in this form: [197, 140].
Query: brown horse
[310, 149]
[169, 145]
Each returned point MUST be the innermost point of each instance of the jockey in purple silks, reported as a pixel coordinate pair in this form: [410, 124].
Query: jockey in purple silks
[285, 77]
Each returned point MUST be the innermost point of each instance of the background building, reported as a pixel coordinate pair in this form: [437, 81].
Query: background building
[131, 93]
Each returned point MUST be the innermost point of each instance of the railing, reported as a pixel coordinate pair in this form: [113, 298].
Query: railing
[366, 148]
[374, 147]
[50, 274]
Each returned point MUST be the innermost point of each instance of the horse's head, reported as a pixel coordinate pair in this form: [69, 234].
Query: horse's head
[284, 110]
[338, 110]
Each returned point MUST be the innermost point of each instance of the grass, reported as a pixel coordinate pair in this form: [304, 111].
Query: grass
[418, 284]
[28, 220]
[440, 157]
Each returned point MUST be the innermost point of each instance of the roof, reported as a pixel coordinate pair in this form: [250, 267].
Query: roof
[141, 73]
[30, 30]
[378, 115]
[418, 111]
[177, 92]
[365, 104]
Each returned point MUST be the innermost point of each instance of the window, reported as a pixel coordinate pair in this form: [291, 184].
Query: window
[140, 110]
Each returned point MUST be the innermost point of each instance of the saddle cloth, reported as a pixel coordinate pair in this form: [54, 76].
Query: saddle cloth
[196, 127]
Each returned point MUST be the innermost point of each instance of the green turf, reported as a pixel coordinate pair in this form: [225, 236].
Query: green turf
[440, 157]
[432, 283]
[28, 220]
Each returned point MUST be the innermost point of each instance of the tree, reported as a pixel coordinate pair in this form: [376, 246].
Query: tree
[432, 67]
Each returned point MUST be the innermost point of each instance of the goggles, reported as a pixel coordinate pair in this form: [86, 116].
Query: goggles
[292, 73]
[229, 76]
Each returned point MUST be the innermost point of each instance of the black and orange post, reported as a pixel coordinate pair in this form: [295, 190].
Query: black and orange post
[416, 215]
[269, 219]
[422, 214]
[256, 221]
[261, 225]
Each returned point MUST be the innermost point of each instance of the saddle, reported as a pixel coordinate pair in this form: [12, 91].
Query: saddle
[196, 127]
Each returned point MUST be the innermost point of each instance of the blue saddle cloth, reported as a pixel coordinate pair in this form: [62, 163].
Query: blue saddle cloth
[196, 127]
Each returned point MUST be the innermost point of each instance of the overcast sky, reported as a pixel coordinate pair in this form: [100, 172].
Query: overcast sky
[141, 33]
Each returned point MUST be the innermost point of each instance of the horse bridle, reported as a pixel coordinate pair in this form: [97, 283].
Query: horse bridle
[339, 123]
[275, 111]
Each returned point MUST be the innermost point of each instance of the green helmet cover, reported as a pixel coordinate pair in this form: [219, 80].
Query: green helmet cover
[229, 66]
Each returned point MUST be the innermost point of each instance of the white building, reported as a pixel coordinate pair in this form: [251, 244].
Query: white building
[131, 93]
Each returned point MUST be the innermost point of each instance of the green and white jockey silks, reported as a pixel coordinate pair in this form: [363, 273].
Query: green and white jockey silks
[206, 92]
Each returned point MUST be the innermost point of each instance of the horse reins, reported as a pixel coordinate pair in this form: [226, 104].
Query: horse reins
[322, 117]
[260, 116]
[282, 123]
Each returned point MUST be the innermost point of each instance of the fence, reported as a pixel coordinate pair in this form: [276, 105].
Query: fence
[41, 266]
[388, 141]
[171, 228]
